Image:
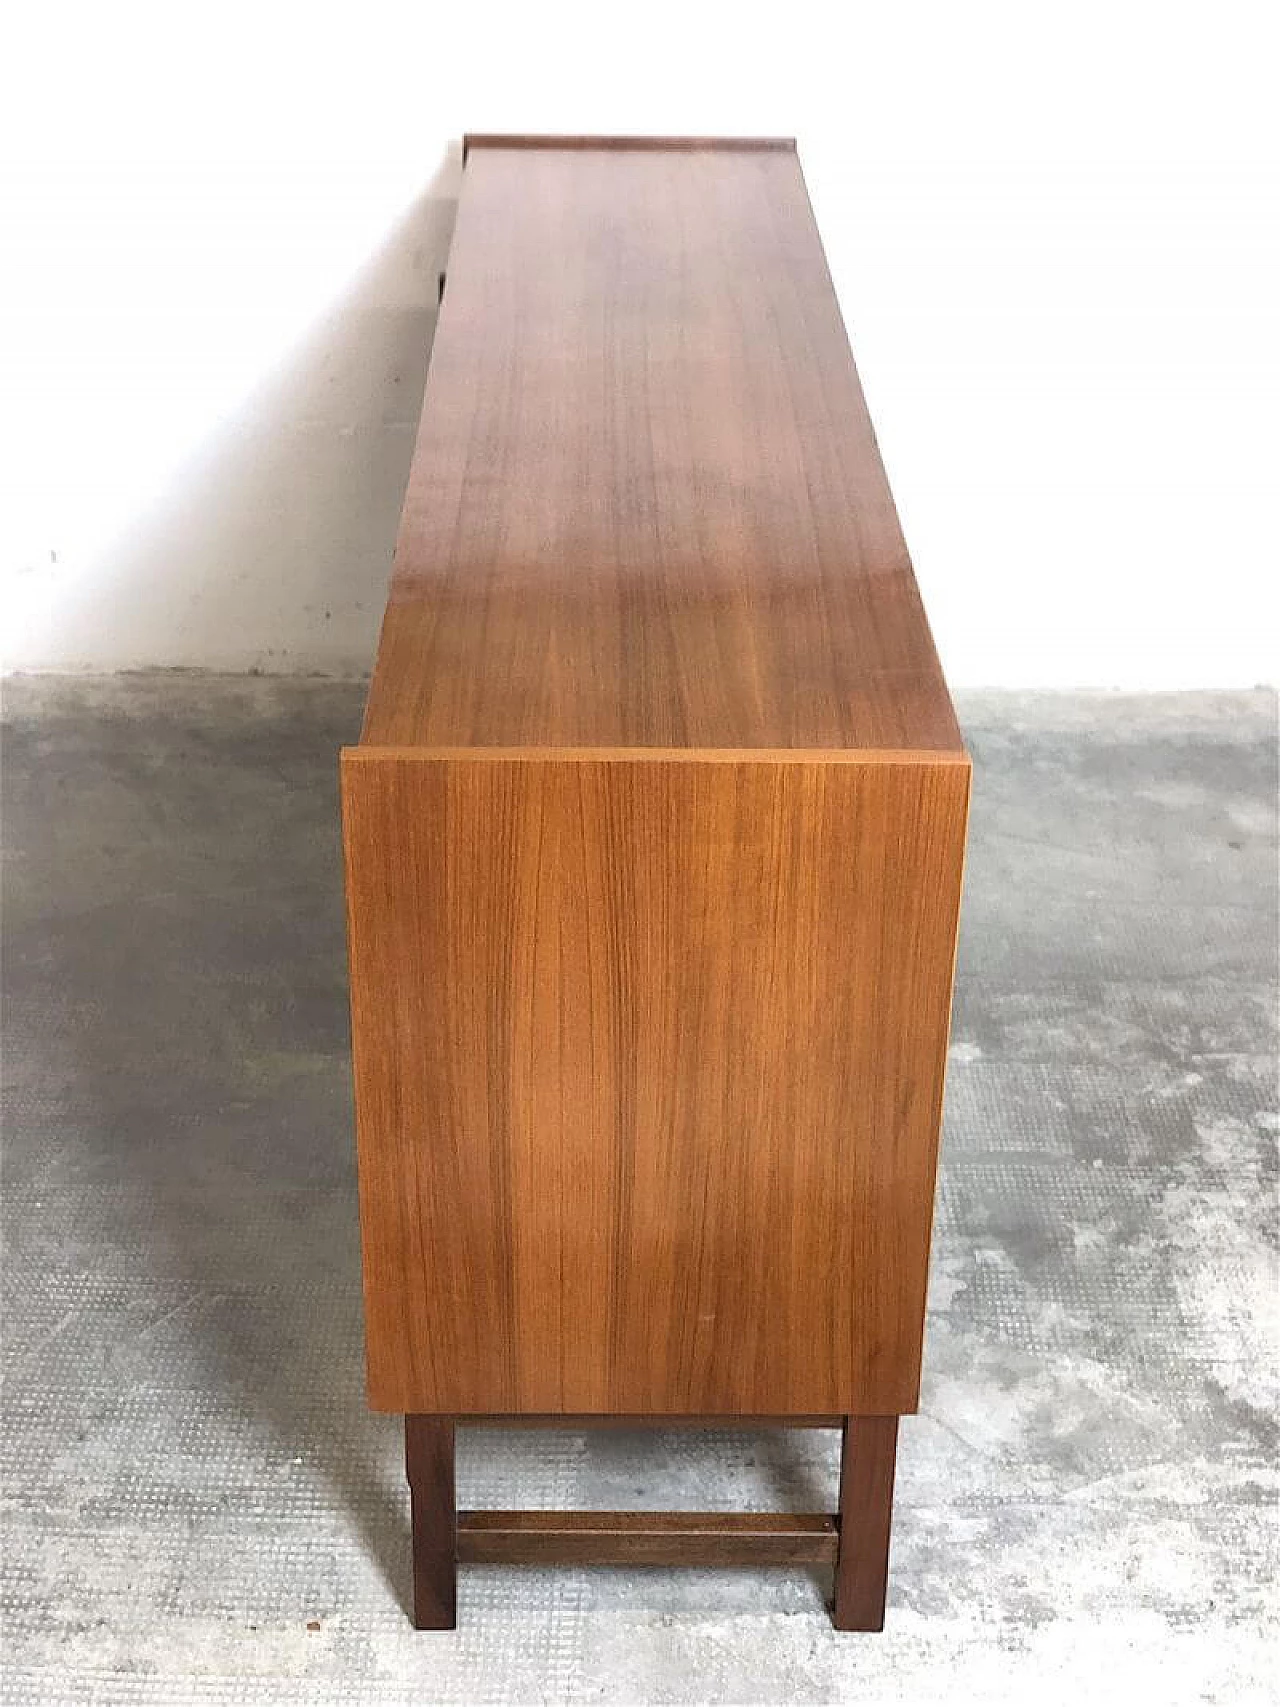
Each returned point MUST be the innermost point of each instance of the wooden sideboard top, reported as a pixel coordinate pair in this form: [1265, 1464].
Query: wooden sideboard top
[646, 507]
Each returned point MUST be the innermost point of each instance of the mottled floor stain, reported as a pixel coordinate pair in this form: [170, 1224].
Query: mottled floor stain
[199, 1508]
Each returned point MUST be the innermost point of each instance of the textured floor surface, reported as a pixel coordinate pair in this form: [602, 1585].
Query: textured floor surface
[198, 1506]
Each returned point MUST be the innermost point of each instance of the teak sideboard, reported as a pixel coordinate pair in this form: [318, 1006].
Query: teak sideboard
[654, 838]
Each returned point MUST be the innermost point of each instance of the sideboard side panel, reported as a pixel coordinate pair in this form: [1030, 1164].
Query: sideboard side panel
[648, 1063]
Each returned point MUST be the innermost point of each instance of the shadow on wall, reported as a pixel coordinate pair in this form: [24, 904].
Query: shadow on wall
[272, 546]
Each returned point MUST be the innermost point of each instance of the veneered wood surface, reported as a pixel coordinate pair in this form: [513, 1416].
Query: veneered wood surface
[646, 506]
[655, 833]
[649, 1061]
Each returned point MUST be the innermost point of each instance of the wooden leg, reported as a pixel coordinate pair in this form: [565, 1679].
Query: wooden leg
[869, 1446]
[428, 1458]
[857, 1542]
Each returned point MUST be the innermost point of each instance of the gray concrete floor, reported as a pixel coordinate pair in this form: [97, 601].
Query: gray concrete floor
[199, 1508]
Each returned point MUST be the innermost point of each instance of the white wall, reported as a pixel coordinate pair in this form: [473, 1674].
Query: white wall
[1053, 230]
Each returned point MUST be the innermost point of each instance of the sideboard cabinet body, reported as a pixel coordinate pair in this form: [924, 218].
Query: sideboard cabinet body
[655, 828]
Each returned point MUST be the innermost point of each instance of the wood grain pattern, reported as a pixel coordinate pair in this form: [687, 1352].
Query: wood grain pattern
[646, 506]
[655, 832]
[649, 1062]
[645, 1538]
